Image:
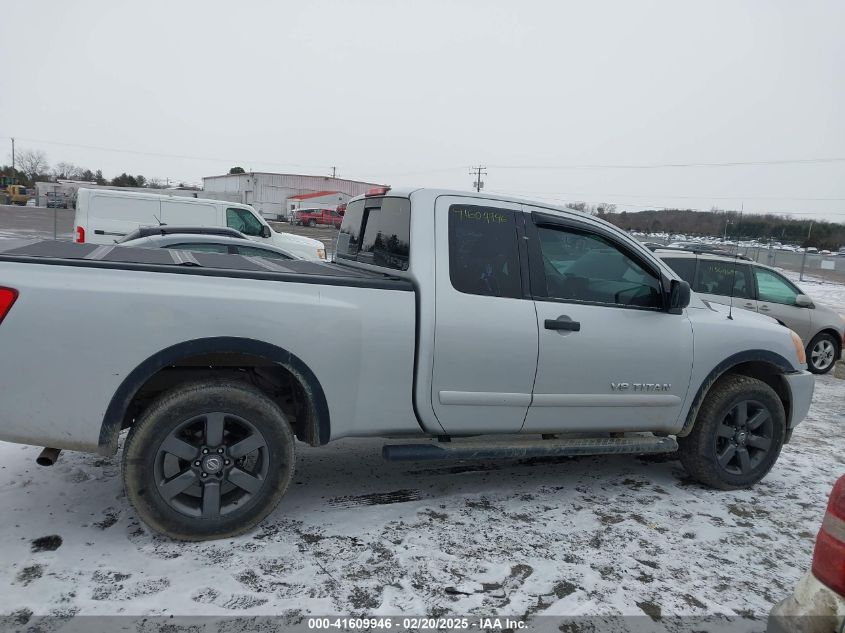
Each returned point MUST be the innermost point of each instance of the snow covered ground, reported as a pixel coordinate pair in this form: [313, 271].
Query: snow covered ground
[355, 534]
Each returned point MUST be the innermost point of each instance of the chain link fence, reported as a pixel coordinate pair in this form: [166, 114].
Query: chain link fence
[813, 265]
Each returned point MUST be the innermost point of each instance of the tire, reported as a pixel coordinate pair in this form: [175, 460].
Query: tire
[722, 431]
[172, 482]
[312, 223]
[822, 353]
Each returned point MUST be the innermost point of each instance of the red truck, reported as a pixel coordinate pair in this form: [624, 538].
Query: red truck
[313, 217]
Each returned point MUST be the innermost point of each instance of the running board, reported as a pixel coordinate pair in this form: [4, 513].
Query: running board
[498, 449]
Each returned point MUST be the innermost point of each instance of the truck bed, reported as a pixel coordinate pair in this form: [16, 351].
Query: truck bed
[192, 263]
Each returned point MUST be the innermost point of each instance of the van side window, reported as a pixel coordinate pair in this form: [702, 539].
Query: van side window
[684, 267]
[243, 221]
[483, 251]
[586, 267]
[716, 277]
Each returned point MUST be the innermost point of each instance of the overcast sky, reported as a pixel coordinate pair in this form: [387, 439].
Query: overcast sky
[416, 92]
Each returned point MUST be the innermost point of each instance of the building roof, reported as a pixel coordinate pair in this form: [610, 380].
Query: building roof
[273, 173]
[316, 194]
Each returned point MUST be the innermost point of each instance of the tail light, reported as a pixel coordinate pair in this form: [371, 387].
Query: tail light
[79, 238]
[7, 298]
[829, 555]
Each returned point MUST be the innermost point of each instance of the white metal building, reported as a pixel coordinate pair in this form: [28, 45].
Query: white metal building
[274, 195]
[66, 190]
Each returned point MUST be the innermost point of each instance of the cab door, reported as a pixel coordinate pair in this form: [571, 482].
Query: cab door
[610, 357]
[485, 333]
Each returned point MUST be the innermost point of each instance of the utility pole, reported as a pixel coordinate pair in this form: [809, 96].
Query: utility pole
[13, 154]
[334, 172]
[478, 172]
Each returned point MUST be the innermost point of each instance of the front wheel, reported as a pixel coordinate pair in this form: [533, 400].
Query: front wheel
[737, 436]
[312, 223]
[208, 460]
[822, 353]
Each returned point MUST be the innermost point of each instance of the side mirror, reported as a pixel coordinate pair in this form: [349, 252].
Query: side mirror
[265, 230]
[679, 296]
[803, 301]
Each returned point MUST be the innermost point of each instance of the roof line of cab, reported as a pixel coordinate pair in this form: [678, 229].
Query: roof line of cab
[406, 192]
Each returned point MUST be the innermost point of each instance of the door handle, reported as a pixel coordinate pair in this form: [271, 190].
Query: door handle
[747, 305]
[764, 308]
[557, 324]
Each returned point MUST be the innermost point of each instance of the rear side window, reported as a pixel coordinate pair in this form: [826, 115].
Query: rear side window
[376, 231]
[201, 247]
[718, 277]
[684, 267]
[483, 251]
[255, 251]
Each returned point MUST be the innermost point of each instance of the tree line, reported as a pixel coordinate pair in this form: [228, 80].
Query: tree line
[32, 166]
[717, 223]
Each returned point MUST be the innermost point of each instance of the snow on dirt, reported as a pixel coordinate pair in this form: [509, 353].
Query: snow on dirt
[358, 535]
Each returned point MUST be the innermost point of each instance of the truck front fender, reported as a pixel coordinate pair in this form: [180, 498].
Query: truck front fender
[763, 359]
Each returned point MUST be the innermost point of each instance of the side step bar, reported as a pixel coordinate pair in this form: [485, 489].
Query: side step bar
[498, 449]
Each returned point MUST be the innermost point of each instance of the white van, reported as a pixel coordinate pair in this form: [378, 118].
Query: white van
[104, 215]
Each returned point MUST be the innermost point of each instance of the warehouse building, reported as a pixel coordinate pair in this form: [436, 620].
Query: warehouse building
[276, 195]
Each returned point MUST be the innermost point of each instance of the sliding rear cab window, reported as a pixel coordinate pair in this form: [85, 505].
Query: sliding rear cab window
[376, 231]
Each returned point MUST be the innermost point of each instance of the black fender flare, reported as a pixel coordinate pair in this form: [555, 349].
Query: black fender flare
[776, 361]
[120, 401]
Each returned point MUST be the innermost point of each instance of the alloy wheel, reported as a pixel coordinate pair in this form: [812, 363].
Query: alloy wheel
[744, 437]
[210, 465]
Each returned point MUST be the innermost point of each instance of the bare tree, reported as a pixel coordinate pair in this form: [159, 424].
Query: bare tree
[583, 207]
[67, 171]
[605, 208]
[32, 162]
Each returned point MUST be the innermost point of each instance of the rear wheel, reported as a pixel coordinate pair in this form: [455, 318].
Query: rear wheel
[822, 353]
[208, 460]
[737, 436]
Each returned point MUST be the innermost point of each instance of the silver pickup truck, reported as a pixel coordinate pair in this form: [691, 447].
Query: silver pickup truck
[458, 325]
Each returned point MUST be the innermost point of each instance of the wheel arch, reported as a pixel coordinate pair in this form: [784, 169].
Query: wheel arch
[317, 430]
[764, 365]
[837, 336]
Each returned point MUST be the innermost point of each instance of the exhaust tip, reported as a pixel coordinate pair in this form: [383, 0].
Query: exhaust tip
[48, 456]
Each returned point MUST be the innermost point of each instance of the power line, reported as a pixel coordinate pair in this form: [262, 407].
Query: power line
[658, 207]
[680, 197]
[162, 154]
[790, 161]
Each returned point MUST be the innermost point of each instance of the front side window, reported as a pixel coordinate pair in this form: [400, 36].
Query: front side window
[243, 221]
[376, 231]
[773, 288]
[483, 251]
[585, 267]
[724, 278]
